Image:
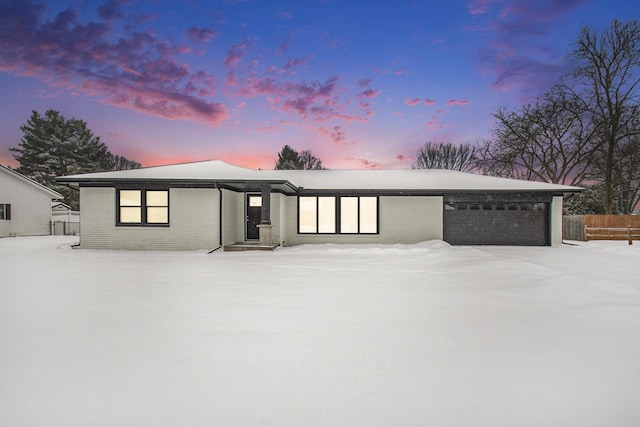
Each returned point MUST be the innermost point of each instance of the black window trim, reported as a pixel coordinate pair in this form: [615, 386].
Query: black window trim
[337, 215]
[143, 208]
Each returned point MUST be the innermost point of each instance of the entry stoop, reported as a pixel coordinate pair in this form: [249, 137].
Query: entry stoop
[248, 246]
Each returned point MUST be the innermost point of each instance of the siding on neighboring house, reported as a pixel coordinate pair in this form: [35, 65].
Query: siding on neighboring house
[30, 206]
[193, 218]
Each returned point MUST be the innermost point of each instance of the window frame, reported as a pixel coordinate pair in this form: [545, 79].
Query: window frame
[5, 211]
[337, 216]
[144, 207]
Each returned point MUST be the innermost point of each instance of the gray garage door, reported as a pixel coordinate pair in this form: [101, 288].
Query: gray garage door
[496, 223]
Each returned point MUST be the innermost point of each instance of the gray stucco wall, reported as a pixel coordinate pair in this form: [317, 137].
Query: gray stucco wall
[556, 220]
[193, 218]
[30, 208]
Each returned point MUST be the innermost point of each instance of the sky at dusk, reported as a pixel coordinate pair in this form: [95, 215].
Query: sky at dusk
[362, 84]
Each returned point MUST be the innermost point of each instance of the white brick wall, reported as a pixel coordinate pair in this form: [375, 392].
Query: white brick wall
[403, 219]
[230, 217]
[193, 222]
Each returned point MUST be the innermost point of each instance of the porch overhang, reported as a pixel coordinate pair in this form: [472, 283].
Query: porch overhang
[279, 186]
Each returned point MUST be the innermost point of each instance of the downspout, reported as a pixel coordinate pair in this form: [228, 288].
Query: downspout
[220, 221]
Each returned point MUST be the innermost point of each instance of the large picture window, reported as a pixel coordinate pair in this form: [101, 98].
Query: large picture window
[5, 211]
[317, 215]
[337, 215]
[143, 207]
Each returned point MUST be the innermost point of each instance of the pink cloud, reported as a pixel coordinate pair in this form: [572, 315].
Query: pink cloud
[437, 41]
[169, 106]
[283, 47]
[337, 135]
[429, 102]
[364, 83]
[138, 71]
[235, 54]
[412, 102]
[317, 100]
[480, 7]
[401, 158]
[398, 72]
[461, 102]
[369, 93]
[364, 163]
[434, 123]
[201, 34]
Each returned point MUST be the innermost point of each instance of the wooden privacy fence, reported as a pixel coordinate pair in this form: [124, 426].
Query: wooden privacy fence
[601, 227]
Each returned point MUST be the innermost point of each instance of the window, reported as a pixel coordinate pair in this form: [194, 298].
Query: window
[337, 215]
[5, 211]
[368, 215]
[317, 215]
[143, 207]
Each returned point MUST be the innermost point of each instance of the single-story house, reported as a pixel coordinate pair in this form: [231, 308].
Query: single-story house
[25, 205]
[212, 204]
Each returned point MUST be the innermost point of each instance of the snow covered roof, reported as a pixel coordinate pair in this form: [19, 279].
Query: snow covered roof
[31, 182]
[211, 170]
[297, 180]
[413, 179]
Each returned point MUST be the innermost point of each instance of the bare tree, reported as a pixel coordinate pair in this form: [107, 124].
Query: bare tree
[626, 175]
[446, 156]
[607, 80]
[309, 161]
[288, 158]
[551, 140]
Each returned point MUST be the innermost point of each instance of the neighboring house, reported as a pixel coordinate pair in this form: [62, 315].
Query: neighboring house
[25, 205]
[206, 205]
[65, 221]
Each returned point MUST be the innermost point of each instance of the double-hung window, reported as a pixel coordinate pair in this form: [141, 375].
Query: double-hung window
[338, 215]
[5, 211]
[143, 207]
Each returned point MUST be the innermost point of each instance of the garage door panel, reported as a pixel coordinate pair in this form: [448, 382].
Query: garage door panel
[487, 226]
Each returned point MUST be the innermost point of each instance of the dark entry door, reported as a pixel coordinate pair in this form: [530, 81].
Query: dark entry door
[254, 208]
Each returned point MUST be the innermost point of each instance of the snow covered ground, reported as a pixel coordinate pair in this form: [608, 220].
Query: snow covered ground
[326, 335]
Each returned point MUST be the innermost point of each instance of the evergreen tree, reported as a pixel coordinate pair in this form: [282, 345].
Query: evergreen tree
[289, 158]
[589, 202]
[54, 146]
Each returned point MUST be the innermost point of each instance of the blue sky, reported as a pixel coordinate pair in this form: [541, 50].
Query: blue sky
[363, 84]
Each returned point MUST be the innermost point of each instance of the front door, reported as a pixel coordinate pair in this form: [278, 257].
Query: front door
[254, 210]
